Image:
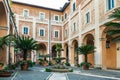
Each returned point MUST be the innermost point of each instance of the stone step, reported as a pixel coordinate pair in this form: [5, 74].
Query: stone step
[58, 76]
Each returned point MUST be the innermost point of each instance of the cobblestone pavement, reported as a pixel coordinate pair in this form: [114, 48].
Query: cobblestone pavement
[38, 73]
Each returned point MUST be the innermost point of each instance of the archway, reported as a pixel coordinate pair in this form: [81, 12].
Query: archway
[54, 52]
[3, 29]
[89, 39]
[66, 52]
[74, 53]
[41, 50]
[109, 52]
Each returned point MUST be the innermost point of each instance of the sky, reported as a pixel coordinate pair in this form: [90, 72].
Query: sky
[55, 4]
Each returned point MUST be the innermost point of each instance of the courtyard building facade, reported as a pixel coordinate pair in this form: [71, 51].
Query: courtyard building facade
[7, 26]
[79, 22]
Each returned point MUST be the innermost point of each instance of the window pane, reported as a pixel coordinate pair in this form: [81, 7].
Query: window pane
[110, 4]
[74, 7]
[56, 18]
[42, 16]
[88, 17]
[25, 30]
[25, 13]
[56, 33]
[41, 32]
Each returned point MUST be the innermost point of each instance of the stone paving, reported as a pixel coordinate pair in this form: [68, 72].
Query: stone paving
[38, 73]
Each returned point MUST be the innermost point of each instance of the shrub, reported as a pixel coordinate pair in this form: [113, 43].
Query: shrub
[48, 70]
[30, 63]
[49, 63]
[1, 63]
[67, 64]
[85, 64]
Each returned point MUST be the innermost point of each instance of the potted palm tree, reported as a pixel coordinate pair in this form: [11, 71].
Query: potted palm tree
[58, 49]
[85, 50]
[25, 44]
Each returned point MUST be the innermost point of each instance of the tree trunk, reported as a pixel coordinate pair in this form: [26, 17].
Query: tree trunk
[85, 57]
[25, 55]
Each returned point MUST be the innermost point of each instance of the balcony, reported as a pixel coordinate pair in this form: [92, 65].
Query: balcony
[58, 23]
[45, 21]
[29, 18]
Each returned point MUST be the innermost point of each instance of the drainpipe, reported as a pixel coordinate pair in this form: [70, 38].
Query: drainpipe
[49, 35]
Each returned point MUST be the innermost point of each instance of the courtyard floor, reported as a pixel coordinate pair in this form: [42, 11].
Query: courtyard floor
[38, 73]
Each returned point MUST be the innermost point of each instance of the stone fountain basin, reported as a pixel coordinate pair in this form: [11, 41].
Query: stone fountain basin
[61, 70]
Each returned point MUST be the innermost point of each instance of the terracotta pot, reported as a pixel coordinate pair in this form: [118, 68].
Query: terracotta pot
[86, 67]
[5, 74]
[45, 64]
[1, 67]
[24, 67]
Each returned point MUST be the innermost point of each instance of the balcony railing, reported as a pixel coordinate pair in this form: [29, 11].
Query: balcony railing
[53, 22]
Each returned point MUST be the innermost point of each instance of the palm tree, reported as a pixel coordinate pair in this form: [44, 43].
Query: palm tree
[59, 49]
[25, 44]
[113, 27]
[85, 50]
[3, 41]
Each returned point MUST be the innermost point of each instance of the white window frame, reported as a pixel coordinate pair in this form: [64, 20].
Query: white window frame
[66, 32]
[23, 30]
[24, 13]
[75, 27]
[58, 33]
[43, 30]
[75, 6]
[107, 9]
[40, 15]
[58, 18]
[86, 17]
[66, 16]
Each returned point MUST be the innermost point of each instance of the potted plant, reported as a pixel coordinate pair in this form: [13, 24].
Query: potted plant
[25, 44]
[58, 49]
[85, 50]
[1, 65]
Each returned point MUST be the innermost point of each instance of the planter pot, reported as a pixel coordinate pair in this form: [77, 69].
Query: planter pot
[5, 74]
[86, 67]
[1, 67]
[45, 64]
[24, 67]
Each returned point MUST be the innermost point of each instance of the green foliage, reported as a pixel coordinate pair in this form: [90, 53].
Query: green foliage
[48, 70]
[71, 70]
[1, 63]
[67, 64]
[85, 64]
[26, 44]
[113, 28]
[50, 63]
[85, 50]
[30, 63]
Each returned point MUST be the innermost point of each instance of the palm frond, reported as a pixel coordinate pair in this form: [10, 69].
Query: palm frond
[86, 49]
[116, 14]
[113, 25]
[113, 32]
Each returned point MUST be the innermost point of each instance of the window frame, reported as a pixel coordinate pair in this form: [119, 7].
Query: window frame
[58, 18]
[24, 13]
[58, 33]
[40, 15]
[86, 17]
[23, 30]
[111, 5]
[43, 33]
